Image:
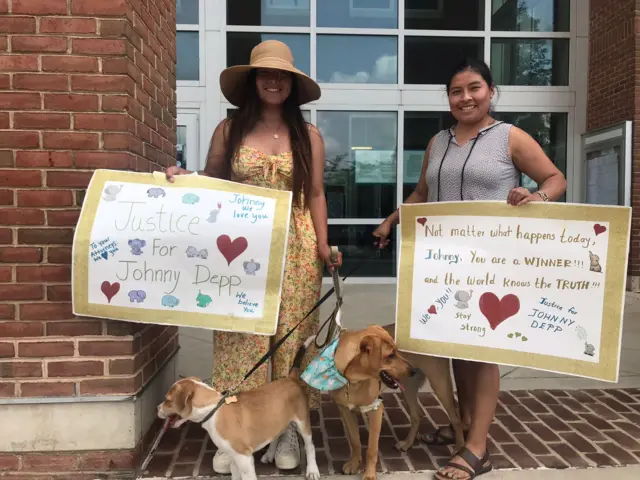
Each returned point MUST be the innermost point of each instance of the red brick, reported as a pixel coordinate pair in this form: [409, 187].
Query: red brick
[21, 216]
[43, 273]
[5, 80]
[6, 274]
[45, 198]
[102, 83]
[125, 366]
[39, 7]
[21, 139]
[19, 63]
[40, 82]
[116, 103]
[67, 25]
[20, 255]
[99, 9]
[71, 102]
[46, 311]
[21, 369]
[6, 236]
[109, 386]
[63, 218]
[6, 197]
[107, 461]
[75, 328]
[6, 158]
[7, 350]
[34, 159]
[68, 179]
[75, 369]
[67, 63]
[7, 389]
[105, 348]
[59, 255]
[21, 292]
[110, 160]
[7, 311]
[18, 178]
[99, 46]
[70, 140]
[41, 120]
[48, 463]
[104, 122]
[59, 293]
[9, 461]
[5, 121]
[45, 349]
[19, 101]
[10, 24]
[39, 44]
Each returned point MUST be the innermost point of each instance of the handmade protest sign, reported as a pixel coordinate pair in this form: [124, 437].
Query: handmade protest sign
[198, 252]
[539, 286]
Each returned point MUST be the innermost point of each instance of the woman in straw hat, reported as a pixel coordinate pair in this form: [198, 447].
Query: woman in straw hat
[267, 143]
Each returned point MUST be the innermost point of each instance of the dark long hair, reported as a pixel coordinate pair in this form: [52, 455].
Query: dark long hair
[474, 65]
[246, 117]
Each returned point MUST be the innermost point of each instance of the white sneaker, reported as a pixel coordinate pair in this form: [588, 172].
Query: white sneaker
[288, 450]
[222, 463]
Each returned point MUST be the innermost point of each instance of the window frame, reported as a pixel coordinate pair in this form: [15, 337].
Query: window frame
[200, 28]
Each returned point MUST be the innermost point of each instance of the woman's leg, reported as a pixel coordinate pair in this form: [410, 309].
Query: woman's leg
[465, 376]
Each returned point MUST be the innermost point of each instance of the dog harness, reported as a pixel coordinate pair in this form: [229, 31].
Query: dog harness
[322, 373]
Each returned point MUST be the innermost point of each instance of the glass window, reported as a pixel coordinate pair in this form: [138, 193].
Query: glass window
[239, 46]
[419, 127]
[187, 12]
[356, 244]
[358, 13]
[444, 15]
[357, 59]
[519, 61]
[188, 55]
[549, 130]
[530, 15]
[282, 13]
[422, 54]
[360, 168]
[181, 146]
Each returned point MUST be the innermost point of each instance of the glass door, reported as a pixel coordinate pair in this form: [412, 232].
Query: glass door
[187, 151]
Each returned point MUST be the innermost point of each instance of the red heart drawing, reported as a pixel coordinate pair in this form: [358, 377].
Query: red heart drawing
[432, 310]
[497, 311]
[110, 289]
[231, 250]
[598, 229]
[422, 220]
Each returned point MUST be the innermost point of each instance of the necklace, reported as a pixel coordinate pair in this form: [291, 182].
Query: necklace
[275, 133]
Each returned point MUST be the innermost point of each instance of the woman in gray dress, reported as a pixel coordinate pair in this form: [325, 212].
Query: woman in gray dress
[479, 158]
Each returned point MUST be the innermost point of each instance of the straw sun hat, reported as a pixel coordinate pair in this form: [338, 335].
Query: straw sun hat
[268, 54]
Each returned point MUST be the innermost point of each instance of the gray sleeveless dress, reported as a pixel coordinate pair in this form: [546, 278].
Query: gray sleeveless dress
[481, 169]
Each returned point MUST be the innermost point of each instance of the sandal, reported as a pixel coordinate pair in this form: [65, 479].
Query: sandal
[438, 439]
[477, 466]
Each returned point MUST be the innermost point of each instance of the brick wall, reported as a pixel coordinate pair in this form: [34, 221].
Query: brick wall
[84, 84]
[614, 83]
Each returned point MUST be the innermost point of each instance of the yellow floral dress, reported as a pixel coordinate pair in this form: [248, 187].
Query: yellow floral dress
[235, 353]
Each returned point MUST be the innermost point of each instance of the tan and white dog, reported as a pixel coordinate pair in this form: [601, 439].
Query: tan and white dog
[245, 426]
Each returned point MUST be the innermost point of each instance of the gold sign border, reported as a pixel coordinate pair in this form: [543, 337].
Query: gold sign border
[619, 219]
[265, 325]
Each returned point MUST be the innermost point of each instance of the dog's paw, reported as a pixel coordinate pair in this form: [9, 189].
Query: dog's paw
[370, 475]
[313, 473]
[352, 466]
[268, 457]
[404, 445]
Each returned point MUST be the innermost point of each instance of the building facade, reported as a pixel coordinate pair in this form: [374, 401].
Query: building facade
[87, 84]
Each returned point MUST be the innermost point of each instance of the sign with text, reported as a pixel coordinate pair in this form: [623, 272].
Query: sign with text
[539, 286]
[198, 252]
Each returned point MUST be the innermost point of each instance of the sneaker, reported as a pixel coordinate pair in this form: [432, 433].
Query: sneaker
[222, 463]
[288, 450]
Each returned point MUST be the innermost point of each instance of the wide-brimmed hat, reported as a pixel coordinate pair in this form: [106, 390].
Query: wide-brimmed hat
[268, 54]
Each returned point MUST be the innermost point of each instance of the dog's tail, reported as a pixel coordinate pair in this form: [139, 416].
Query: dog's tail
[297, 361]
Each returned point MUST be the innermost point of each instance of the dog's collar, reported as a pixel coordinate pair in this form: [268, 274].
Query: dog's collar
[215, 409]
[322, 373]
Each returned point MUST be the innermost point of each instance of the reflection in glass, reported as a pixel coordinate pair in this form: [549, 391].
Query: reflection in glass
[356, 244]
[357, 59]
[430, 60]
[287, 13]
[188, 55]
[530, 15]
[187, 12]
[444, 14]
[419, 127]
[360, 168]
[358, 13]
[239, 46]
[181, 146]
[519, 61]
[603, 176]
[549, 130]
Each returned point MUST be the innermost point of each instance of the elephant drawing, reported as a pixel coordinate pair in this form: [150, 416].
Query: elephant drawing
[137, 296]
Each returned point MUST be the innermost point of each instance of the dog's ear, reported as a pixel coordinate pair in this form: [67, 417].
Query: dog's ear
[183, 397]
[371, 345]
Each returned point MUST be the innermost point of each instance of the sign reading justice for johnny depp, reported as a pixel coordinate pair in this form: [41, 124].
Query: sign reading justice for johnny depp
[198, 252]
[539, 286]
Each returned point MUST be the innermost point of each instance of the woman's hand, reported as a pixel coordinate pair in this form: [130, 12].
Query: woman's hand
[173, 171]
[382, 234]
[324, 253]
[521, 196]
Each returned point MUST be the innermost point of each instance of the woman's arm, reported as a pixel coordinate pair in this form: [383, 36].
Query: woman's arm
[215, 157]
[530, 159]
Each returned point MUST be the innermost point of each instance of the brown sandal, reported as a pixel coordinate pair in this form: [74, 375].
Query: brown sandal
[477, 465]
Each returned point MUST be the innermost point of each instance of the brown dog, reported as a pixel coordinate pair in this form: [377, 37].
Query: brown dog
[367, 358]
[438, 371]
[255, 420]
